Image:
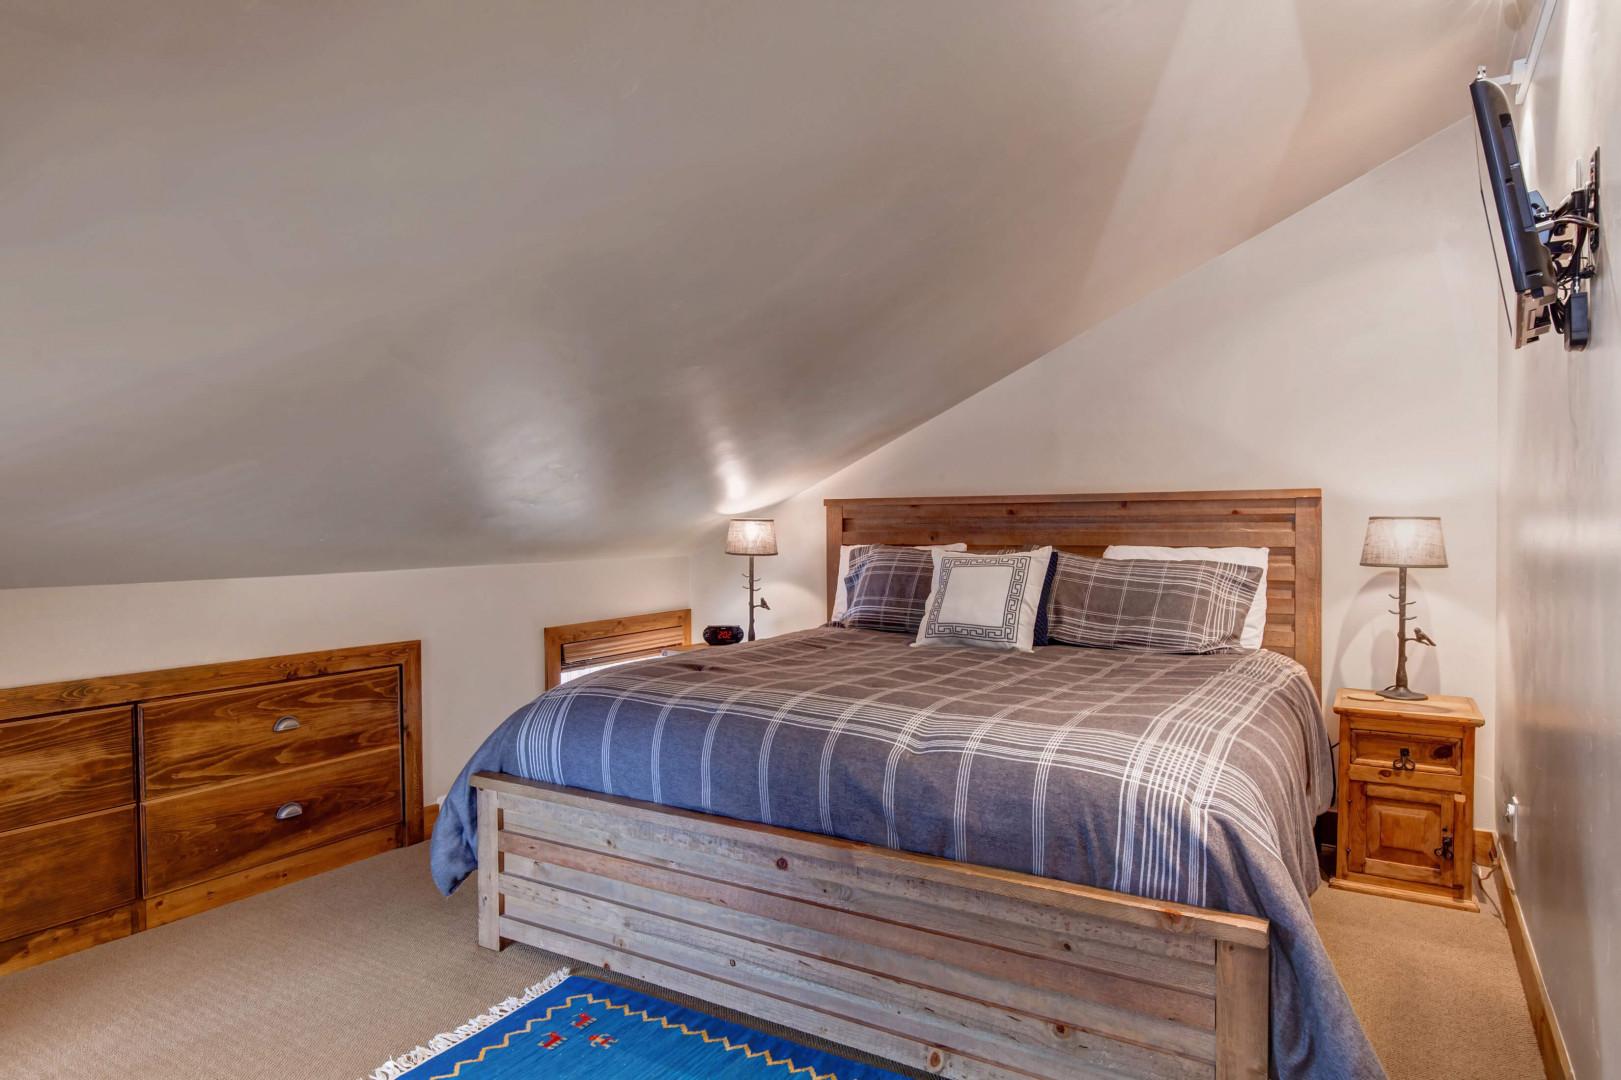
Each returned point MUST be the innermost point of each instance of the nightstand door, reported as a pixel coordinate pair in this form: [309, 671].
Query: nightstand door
[1405, 833]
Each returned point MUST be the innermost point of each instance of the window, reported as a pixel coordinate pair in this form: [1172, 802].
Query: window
[578, 648]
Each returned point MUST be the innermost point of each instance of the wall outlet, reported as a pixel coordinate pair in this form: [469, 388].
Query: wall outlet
[1511, 814]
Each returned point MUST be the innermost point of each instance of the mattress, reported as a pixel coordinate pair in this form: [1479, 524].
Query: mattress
[1195, 779]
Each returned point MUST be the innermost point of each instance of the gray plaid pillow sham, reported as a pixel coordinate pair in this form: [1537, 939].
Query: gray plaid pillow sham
[888, 588]
[1175, 607]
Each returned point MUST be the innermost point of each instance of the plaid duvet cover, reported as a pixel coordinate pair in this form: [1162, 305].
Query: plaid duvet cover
[1186, 778]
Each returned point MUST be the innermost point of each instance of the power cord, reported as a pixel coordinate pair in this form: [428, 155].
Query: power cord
[1484, 874]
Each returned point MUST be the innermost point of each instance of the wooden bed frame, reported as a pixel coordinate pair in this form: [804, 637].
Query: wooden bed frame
[950, 968]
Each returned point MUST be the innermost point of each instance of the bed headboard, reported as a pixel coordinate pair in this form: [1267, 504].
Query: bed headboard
[1290, 522]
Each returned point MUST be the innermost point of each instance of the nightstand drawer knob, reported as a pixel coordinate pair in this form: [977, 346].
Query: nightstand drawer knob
[1444, 852]
[1405, 762]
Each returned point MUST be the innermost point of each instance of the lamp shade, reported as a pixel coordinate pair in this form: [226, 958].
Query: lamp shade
[1404, 541]
[751, 536]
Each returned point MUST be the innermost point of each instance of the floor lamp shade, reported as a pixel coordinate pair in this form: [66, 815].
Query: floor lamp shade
[1404, 541]
[751, 536]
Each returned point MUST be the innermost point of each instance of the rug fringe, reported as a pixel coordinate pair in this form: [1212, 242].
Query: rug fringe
[398, 1067]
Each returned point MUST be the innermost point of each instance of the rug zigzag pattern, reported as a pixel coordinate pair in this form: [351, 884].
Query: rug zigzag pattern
[506, 1040]
[726, 1042]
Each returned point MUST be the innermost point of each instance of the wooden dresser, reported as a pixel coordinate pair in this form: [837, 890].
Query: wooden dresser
[1406, 800]
[134, 800]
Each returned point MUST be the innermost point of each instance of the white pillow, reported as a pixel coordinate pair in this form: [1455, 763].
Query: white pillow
[841, 595]
[1255, 621]
[988, 601]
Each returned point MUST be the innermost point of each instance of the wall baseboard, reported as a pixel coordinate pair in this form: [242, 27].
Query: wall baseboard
[430, 814]
[1550, 1041]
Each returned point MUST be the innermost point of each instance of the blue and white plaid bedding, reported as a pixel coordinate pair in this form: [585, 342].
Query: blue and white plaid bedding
[1188, 778]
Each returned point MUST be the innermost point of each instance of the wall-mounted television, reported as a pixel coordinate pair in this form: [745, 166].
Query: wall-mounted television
[1543, 259]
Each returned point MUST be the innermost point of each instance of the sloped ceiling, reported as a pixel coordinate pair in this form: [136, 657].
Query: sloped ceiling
[294, 287]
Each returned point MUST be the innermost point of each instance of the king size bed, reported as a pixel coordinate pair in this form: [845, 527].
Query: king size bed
[1056, 862]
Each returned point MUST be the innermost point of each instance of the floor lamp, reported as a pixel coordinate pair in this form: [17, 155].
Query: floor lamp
[751, 537]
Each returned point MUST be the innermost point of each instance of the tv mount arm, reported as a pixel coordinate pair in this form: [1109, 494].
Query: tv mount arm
[1571, 235]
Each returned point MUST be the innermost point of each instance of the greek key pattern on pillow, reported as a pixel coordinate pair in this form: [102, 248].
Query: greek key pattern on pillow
[1000, 626]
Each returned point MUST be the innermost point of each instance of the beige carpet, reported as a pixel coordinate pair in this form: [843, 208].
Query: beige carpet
[1436, 990]
[330, 977]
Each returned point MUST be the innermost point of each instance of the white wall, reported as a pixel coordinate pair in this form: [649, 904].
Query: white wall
[480, 629]
[1350, 348]
[1559, 623]
[326, 287]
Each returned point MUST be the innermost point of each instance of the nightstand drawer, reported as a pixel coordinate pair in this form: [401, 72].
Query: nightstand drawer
[1406, 753]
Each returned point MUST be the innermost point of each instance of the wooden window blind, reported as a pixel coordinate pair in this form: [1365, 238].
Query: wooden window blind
[605, 641]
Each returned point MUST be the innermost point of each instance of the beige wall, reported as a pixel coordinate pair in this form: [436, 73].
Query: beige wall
[480, 629]
[1349, 347]
[1559, 620]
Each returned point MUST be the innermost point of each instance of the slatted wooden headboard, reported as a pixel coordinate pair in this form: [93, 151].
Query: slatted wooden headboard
[1289, 522]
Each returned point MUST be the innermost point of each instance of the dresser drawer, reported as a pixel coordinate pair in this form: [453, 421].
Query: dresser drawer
[191, 742]
[60, 766]
[1388, 750]
[65, 870]
[218, 830]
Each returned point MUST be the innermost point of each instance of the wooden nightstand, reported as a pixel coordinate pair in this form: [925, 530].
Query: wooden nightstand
[1407, 795]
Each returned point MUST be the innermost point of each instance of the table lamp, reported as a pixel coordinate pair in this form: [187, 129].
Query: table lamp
[751, 537]
[1404, 542]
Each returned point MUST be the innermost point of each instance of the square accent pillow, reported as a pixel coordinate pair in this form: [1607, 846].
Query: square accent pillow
[1175, 606]
[1046, 587]
[888, 588]
[987, 601]
[1255, 621]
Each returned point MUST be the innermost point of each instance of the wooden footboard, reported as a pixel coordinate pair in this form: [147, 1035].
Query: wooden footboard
[951, 968]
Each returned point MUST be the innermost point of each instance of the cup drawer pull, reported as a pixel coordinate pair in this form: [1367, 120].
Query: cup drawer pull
[289, 811]
[285, 723]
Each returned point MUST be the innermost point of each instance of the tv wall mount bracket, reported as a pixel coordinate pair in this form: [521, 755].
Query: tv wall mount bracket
[1571, 234]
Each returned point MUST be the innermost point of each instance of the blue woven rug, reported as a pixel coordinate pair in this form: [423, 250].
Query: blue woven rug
[573, 1027]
